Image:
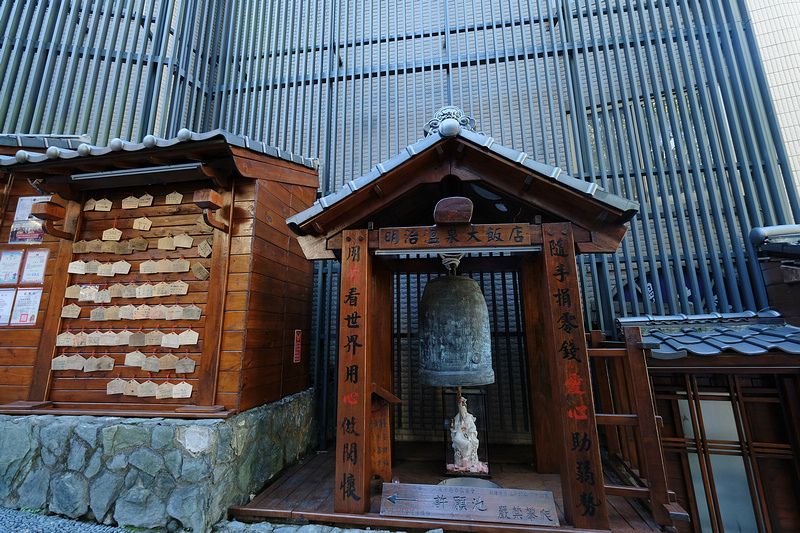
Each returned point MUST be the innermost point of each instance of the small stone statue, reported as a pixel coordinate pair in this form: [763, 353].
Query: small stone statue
[464, 435]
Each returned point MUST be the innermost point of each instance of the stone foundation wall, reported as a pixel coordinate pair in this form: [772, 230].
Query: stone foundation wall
[150, 473]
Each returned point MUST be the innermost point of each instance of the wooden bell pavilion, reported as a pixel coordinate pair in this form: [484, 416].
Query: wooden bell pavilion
[528, 217]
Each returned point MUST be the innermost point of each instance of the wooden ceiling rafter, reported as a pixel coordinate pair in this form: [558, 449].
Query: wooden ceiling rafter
[546, 194]
[125, 163]
[160, 160]
[88, 165]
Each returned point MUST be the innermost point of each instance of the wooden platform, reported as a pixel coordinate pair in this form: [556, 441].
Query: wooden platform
[304, 494]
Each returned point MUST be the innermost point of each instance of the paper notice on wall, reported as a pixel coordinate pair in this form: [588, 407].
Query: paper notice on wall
[24, 206]
[6, 303]
[26, 307]
[35, 266]
[10, 261]
[26, 228]
[26, 232]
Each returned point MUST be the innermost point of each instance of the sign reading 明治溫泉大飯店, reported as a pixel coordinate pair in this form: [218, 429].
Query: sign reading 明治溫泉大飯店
[470, 236]
[481, 504]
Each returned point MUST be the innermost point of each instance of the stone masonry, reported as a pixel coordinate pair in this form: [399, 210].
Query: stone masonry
[150, 473]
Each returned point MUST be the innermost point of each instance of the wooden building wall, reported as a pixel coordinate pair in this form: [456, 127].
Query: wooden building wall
[782, 279]
[269, 295]
[77, 389]
[753, 446]
[258, 293]
[18, 345]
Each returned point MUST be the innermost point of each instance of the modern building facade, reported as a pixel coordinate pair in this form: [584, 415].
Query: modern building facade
[666, 104]
[775, 25]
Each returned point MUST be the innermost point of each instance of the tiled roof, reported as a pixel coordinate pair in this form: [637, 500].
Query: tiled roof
[481, 141]
[70, 148]
[20, 140]
[783, 239]
[746, 333]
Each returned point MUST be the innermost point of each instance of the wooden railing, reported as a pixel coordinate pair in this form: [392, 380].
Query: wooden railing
[627, 411]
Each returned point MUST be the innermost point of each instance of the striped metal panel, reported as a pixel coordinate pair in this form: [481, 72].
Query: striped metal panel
[661, 102]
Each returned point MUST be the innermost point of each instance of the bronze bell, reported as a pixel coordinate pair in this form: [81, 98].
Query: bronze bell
[455, 340]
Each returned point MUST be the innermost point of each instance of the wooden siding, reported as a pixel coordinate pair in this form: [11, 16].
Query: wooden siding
[258, 293]
[782, 280]
[19, 345]
[279, 303]
[758, 437]
[77, 388]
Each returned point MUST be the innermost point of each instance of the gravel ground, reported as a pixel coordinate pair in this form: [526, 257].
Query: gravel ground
[12, 521]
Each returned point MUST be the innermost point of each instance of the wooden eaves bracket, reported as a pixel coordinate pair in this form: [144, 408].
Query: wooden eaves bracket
[49, 212]
[210, 200]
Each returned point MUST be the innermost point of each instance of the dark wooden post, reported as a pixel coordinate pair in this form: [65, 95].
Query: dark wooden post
[544, 425]
[353, 443]
[5, 194]
[559, 320]
[380, 356]
[215, 313]
[652, 464]
[40, 384]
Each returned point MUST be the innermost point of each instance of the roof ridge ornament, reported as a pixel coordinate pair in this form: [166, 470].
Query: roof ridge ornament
[448, 121]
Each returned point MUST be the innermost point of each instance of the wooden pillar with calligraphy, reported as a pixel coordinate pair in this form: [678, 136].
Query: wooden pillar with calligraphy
[581, 468]
[353, 442]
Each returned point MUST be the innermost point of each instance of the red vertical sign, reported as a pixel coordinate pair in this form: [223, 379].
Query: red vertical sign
[298, 341]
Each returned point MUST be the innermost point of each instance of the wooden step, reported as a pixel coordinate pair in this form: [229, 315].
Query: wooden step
[676, 512]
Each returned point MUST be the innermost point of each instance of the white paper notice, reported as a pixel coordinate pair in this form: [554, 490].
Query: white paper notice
[35, 266]
[6, 301]
[9, 266]
[25, 204]
[26, 307]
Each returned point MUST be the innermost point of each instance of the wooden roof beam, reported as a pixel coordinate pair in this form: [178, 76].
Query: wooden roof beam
[89, 165]
[220, 173]
[353, 209]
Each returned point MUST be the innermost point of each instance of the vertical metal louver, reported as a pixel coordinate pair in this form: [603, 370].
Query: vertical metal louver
[660, 102]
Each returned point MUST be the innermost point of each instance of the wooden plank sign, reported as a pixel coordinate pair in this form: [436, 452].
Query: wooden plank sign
[581, 470]
[467, 236]
[479, 504]
[353, 454]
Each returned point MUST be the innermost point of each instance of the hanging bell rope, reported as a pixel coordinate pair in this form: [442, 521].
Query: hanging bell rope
[451, 261]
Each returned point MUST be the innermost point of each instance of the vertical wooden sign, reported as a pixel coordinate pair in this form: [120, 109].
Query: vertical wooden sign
[581, 470]
[353, 446]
